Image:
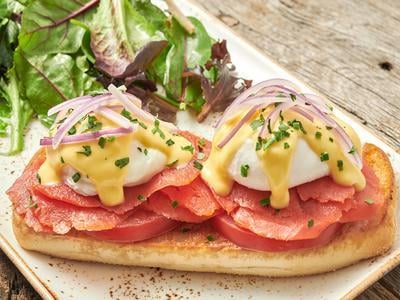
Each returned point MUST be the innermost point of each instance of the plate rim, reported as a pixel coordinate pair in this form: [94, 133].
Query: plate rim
[46, 293]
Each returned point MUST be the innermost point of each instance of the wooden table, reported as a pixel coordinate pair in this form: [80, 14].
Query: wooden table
[347, 49]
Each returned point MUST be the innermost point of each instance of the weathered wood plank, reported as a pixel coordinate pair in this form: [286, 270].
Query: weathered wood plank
[12, 284]
[347, 49]
[377, 292]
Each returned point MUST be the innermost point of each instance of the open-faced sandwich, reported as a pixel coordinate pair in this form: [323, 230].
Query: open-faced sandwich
[284, 189]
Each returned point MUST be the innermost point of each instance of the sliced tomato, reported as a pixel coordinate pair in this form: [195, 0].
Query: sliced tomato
[140, 226]
[248, 240]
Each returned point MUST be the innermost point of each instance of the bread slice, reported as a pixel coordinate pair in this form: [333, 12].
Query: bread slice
[191, 251]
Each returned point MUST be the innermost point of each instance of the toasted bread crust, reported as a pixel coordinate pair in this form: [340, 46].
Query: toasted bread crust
[192, 252]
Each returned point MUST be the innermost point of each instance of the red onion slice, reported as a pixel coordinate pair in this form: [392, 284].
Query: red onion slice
[273, 116]
[75, 116]
[83, 137]
[137, 111]
[238, 126]
[115, 117]
[73, 103]
[252, 101]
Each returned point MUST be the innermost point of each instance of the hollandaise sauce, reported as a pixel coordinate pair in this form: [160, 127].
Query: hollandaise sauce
[275, 152]
[104, 160]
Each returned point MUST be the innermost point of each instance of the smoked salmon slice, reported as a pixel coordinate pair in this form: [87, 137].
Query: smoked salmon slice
[169, 177]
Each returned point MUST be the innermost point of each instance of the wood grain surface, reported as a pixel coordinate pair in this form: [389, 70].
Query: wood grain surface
[349, 50]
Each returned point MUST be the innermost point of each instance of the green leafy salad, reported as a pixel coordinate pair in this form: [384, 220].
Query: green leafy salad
[52, 51]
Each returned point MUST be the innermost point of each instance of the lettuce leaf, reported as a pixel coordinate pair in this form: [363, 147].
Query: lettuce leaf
[19, 112]
[47, 80]
[46, 26]
[118, 34]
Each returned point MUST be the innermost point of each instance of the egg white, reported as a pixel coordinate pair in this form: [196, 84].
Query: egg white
[141, 168]
[306, 166]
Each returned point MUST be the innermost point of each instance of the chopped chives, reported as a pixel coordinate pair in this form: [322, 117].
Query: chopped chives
[120, 163]
[244, 170]
[76, 177]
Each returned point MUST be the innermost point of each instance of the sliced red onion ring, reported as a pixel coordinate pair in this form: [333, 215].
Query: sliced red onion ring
[252, 101]
[137, 111]
[68, 104]
[303, 113]
[238, 126]
[88, 136]
[273, 116]
[348, 144]
[76, 115]
[262, 95]
[115, 117]
[262, 88]
[314, 99]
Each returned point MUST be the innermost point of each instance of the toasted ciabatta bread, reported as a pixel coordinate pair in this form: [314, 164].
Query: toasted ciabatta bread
[192, 252]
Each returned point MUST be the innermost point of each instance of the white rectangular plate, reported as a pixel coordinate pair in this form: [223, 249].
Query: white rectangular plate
[60, 278]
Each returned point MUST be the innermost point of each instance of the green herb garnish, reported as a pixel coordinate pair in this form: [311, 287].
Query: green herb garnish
[244, 170]
[295, 124]
[172, 163]
[340, 165]
[72, 130]
[145, 151]
[102, 142]
[174, 204]
[197, 165]
[87, 150]
[331, 139]
[352, 150]
[201, 143]
[157, 129]
[318, 135]
[286, 145]
[210, 238]
[293, 97]
[170, 142]
[127, 114]
[188, 148]
[76, 177]
[120, 163]
[62, 159]
[140, 197]
[93, 124]
[265, 202]
[257, 122]
[310, 223]
[141, 124]
[324, 156]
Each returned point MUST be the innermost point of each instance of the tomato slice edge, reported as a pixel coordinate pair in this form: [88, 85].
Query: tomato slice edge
[140, 226]
[246, 239]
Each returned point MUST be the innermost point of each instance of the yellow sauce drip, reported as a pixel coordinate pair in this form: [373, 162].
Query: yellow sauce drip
[276, 160]
[100, 166]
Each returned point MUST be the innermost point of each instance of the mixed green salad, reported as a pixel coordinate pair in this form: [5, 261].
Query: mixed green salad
[52, 51]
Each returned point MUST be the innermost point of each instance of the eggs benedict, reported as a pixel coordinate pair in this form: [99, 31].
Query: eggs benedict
[275, 138]
[284, 189]
[97, 149]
